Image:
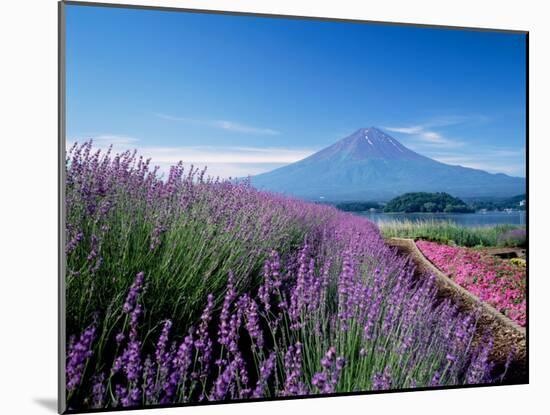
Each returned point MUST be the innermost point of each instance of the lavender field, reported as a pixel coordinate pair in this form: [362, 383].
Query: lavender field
[190, 289]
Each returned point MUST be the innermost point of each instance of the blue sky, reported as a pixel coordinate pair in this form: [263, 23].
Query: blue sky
[245, 94]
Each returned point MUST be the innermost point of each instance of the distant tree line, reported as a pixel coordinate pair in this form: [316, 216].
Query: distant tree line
[434, 203]
[357, 206]
[427, 202]
[517, 202]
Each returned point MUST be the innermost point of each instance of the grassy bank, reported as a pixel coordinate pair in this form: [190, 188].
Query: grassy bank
[448, 233]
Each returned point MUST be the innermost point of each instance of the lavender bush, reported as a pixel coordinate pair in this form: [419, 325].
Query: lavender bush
[192, 289]
[185, 232]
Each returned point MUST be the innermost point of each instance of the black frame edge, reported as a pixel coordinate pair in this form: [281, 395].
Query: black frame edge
[62, 405]
[61, 128]
[528, 208]
[285, 16]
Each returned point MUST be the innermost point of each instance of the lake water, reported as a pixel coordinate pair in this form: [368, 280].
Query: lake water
[462, 219]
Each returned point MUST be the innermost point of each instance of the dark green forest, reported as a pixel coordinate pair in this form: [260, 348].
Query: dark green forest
[435, 203]
[515, 202]
[427, 202]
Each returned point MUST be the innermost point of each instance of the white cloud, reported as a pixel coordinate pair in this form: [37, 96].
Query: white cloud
[108, 139]
[510, 162]
[222, 124]
[211, 154]
[417, 129]
[428, 140]
[432, 136]
[425, 135]
[221, 161]
[241, 128]
[174, 118]
[429, 134]
[449, 120]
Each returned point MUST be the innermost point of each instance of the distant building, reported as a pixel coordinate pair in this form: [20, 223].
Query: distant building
[522, 202]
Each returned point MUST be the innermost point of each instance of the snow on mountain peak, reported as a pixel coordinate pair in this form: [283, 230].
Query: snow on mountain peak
[367, 144]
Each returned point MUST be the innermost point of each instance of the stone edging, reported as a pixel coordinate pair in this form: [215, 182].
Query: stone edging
[508, 336]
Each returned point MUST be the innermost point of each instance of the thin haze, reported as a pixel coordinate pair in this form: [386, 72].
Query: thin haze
[244, 95]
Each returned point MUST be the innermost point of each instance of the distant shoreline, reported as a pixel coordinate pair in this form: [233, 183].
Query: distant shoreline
[515, 218]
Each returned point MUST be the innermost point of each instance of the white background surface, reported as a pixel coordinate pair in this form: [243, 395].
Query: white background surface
[28, 204]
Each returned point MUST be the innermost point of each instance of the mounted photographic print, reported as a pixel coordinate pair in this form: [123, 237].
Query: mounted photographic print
[261, 207]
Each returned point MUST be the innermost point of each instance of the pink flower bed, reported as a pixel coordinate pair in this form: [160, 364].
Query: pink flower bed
[493, 280]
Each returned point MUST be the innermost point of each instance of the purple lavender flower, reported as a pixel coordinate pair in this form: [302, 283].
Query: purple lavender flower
[272, 280]
[326, 361]
[253, 324]
[149, 375]
[132, 360]
[244, 391]
[74, 242]
[133, 294]
[78, 356]
[222, 383]
[479, 370]
[293, 371]
[98, 391]
[266, 368]
[128, 397]
[382, 381]
[163, 340]
[326, 380]
[345, 289]
[121, 394]
[297, 297]
[233, 334]
[230, 294]
[180, 364]
[436, 379]
[203, 343]
[319, 380]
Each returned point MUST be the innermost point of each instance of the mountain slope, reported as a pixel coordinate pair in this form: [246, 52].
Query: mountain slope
[371, 165]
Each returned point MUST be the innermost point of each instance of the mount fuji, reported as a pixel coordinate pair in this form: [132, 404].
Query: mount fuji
[371, 165]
